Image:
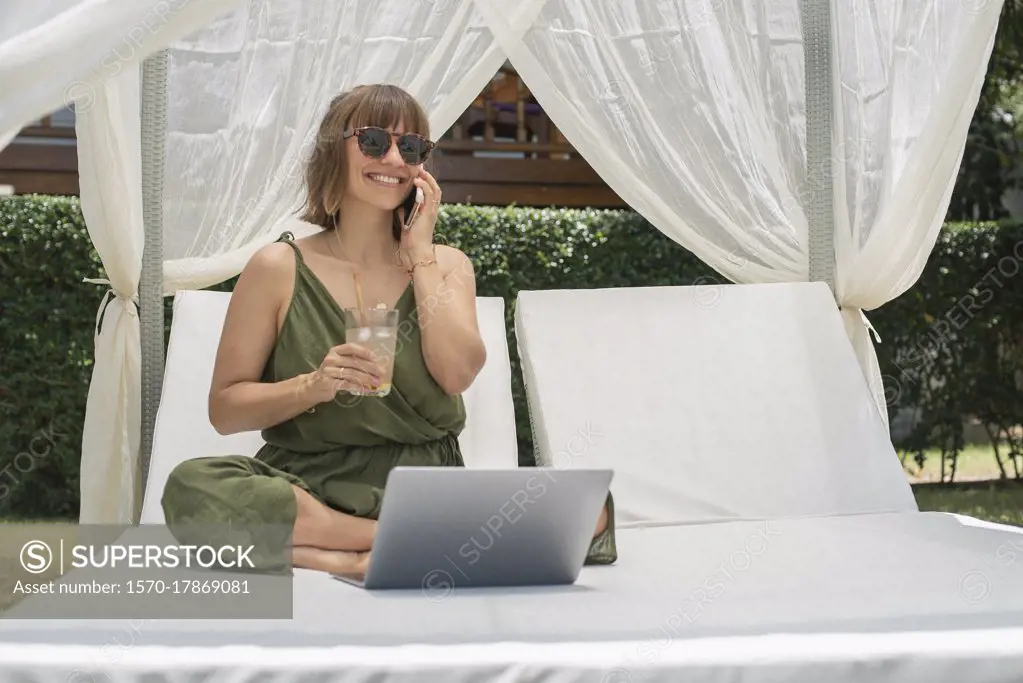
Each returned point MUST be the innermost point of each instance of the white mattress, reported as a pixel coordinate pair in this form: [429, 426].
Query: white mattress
[746, 404]
[900, 597]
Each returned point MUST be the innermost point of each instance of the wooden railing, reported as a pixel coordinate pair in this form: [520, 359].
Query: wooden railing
[46, 128]
[502, 150]
[43, 158]
[505, 119]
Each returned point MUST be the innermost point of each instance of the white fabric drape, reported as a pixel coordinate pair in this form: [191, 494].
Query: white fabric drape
[55, 52]
[89, 52]
[248, 91]
[109, 158]
[692, 111]
[909, 76]
[235, 164]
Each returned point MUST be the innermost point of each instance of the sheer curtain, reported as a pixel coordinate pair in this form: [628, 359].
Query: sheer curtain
[908, 78]
[692, 111]
[88, 52]
[247, 92]
[53, 52]
[110, 177]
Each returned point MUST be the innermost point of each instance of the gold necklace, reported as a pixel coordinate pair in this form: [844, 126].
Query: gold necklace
[398, 260]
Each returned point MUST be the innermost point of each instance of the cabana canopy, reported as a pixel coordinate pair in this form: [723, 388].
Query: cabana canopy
[778, 140]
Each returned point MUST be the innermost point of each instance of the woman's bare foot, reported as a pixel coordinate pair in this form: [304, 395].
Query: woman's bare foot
[318, 526]
[602, 522]
[342, 562]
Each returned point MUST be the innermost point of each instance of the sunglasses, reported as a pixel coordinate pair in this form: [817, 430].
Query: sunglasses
[376, 143]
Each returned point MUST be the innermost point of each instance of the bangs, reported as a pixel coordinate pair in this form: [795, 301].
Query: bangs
[386, 107]
[377, 104]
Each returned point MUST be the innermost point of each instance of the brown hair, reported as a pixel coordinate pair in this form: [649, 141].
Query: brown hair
[326, 170]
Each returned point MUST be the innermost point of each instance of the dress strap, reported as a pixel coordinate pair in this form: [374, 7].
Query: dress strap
[288, 238]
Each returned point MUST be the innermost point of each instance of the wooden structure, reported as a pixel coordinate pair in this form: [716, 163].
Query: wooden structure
[502, 150]
[43, 158]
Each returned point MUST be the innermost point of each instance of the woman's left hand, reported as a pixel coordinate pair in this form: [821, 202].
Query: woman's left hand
[417, 240]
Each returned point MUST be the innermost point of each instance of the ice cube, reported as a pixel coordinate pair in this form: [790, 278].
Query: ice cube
[364, 334]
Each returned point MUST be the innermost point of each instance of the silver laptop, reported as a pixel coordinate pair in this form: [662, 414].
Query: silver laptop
[443, 528]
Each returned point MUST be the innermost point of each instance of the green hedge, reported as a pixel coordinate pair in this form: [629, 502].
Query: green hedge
[47, 315]
[952, 347]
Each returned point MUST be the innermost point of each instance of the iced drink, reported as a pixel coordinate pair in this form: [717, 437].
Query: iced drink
[378, 334]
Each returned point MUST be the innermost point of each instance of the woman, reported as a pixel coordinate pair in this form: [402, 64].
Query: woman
[283, 367]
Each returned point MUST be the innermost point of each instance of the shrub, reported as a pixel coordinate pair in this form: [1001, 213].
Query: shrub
[47, 316]
[952, 346]
[945, 356]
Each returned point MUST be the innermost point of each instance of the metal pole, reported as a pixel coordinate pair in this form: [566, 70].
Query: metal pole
[816, 16]
[153, 125]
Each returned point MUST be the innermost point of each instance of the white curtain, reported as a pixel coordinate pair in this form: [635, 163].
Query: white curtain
[55, 52]
[908, 75]
[248, 91]
[245, 94]
[693, 111]
[87, 53]
[109, 158]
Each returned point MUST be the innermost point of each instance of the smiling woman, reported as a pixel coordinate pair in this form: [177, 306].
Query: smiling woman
[376, 117]
[283, 366]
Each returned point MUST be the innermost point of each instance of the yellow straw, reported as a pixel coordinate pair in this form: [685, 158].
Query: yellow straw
[358, 298]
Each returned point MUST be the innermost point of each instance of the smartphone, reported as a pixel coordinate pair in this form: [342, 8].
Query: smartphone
[412, 204]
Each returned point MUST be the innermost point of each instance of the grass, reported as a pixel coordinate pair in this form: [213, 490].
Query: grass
[976, 491]
[990, 502]
[975, 463]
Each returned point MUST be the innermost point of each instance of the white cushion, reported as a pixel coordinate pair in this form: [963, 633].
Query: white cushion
[183, 430]
[489, 438]
[902, 598]
[741, 402]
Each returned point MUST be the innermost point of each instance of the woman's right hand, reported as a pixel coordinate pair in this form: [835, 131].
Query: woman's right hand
[348, 367]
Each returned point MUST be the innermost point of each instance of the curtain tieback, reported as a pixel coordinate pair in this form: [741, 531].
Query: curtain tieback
[853, 310]
[130, 303]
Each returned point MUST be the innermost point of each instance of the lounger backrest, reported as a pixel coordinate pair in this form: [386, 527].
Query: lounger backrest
[183, 430]
[741, 401]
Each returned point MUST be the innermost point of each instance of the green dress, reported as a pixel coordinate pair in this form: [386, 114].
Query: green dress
[340, 451]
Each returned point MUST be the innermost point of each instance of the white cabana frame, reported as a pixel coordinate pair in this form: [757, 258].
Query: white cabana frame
[820, 141]
[816, 21]
[862, 220]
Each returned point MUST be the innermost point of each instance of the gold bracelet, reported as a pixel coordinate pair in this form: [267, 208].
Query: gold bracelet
[411, 269]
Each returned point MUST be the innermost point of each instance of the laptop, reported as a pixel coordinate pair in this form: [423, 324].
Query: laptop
[442, 528]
